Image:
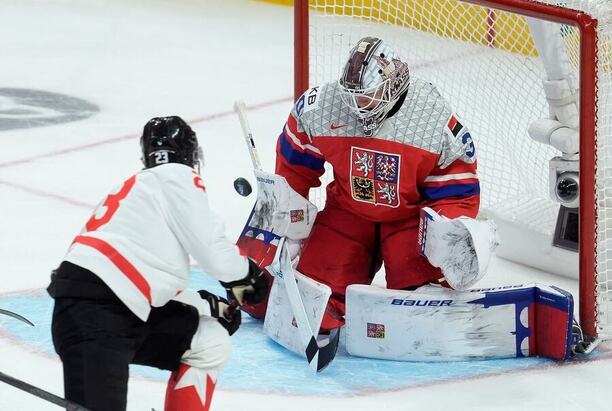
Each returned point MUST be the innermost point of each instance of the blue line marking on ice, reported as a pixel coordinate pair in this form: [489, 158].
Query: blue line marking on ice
[260, 365]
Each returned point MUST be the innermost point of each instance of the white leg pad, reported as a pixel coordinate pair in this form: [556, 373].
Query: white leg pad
[279, 323]
[438, 324]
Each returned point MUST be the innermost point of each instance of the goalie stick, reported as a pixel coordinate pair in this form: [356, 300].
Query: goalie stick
[318, 356]
[240, 109]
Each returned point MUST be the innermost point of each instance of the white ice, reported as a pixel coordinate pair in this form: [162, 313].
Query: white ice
[136, 59]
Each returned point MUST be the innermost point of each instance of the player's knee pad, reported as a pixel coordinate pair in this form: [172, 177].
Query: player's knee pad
[210, 346]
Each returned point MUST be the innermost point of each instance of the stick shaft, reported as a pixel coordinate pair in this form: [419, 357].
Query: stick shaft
[297, 305]
[240, 109]
[40, 393]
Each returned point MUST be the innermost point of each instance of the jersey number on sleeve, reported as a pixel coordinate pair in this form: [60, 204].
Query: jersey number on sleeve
[197, 180]
[112, 204]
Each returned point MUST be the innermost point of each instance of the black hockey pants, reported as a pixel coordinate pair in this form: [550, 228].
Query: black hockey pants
[97, 337]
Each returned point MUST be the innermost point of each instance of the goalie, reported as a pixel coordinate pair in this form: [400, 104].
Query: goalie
[405, 193]
[396, 147]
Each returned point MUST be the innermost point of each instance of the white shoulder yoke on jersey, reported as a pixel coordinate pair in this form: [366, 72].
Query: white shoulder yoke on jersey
[140, 237]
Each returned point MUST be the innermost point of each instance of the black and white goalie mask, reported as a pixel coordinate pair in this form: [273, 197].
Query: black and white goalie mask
[373, 80]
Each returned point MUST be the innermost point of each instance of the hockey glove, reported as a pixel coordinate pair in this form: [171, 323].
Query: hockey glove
[252, 289]
[227, 314]
[460, 247]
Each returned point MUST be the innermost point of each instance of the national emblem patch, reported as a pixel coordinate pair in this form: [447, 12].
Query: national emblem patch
[376, 330]
[454, 126]
[375, 177]
[297, 216]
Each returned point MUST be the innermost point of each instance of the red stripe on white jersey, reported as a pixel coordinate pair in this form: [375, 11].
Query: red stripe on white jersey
[119, 261]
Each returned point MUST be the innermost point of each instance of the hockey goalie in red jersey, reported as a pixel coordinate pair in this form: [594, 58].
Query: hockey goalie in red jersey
[405, 193]
[396, 147]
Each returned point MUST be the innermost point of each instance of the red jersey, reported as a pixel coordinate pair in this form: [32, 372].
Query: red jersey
[422, 156]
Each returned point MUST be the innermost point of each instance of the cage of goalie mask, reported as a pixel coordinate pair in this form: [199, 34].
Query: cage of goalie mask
[373, 80]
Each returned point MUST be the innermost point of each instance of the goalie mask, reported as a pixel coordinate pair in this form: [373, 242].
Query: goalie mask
[373, 81]
[169, 140]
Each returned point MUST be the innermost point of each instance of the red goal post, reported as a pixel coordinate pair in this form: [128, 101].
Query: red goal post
[322, 32]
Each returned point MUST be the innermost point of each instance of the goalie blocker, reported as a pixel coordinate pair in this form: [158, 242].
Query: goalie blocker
[278, 212]
[438, 324]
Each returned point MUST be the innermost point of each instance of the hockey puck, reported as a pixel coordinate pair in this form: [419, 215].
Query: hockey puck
[242, 186]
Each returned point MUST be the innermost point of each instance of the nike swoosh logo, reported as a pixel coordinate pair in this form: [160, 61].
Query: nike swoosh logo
[335, 126]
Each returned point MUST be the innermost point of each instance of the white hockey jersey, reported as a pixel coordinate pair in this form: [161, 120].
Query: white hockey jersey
[139, 239]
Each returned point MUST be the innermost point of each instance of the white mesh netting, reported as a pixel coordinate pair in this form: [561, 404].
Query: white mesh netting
[484, 62]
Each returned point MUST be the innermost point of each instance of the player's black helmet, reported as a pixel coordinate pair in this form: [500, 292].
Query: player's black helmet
[169, 140]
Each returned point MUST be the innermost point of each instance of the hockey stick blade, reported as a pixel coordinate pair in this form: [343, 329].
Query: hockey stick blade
[324, 354]
[40, 393]
[318, 356]
[16, 316]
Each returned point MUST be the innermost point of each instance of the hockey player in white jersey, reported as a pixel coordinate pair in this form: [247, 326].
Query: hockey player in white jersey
[120, 293]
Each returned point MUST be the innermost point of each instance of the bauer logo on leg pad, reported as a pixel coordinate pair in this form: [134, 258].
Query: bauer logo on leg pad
[421, 303]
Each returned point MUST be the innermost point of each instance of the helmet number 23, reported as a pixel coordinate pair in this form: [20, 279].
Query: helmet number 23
[161, 157]
[112, 204]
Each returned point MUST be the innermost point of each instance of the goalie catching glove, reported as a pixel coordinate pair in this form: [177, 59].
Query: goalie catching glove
[460, 247]
[226, 313]
[251, 289]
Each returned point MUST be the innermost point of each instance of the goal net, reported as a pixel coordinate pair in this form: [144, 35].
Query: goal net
[483, 58]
